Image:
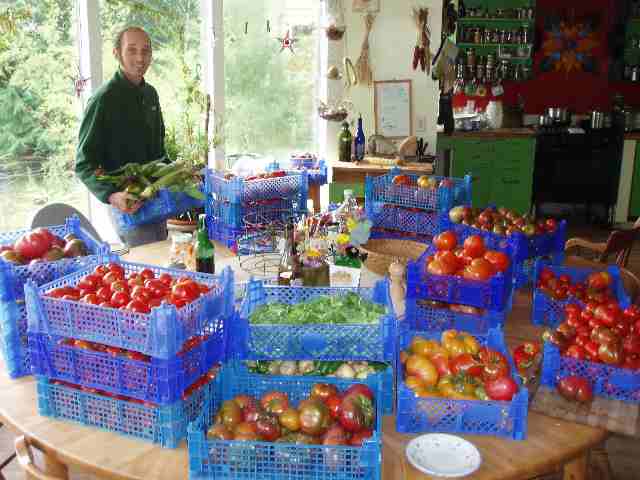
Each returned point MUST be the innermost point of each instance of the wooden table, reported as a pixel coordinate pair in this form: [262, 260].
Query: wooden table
[551, 443]
[351, 175]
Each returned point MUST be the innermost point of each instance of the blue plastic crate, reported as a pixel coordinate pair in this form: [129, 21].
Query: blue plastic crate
[160, 333]
[162, 424]
[421, 316]
[13, 338]
[493, 294]
[417, 222]
[319, 341]
[245, 215]
[476, 417]
[379, 233]
[549, 312]
[13, 277]
[519, 247]
[606, 381]
[239, 460]
[239, 190]
[164, 205]
[381, 189]
[157, 380]
[317, 170]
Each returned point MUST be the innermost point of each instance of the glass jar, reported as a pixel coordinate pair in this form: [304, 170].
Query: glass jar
[181, 253]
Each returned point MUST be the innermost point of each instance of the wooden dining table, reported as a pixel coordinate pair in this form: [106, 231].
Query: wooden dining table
[551, 445]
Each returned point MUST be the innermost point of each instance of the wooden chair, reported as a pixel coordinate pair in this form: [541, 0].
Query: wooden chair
[619, 243]
[26, 460]
[6, 461]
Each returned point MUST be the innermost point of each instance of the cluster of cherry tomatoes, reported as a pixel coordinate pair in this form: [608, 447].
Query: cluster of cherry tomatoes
[457, 367]
[596, 288]
[472, 260]
[109, 286]
[326, 417]
[189, 345]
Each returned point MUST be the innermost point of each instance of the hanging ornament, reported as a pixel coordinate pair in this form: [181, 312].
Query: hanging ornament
[79, 83]
[287, 42]
[363, 67]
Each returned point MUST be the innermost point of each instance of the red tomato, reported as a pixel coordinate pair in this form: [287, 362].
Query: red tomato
[186, 289]
[502, 389]
[100, 270]
[204, 288]
[177, 301]
[463, 258]
[119, 299]
[106, 304]
[111, 277]
[449, 259]
[141, 293]
[572, 308]
[147, 274]
[104, 294]
[138, 306]
[445, 240]
[499, 260]
[155, 302]
[91, 298]
[135, 280]
[575, 351]
[333, 403]
[119, 286]
[166, 279]
[479, 269]
[474, 246]
[438, 267]
[156, 287]
[545, 275]
[117, 269]
[32, 245]
[90, 283]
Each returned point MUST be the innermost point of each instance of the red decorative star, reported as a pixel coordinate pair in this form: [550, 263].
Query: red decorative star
[287, 42]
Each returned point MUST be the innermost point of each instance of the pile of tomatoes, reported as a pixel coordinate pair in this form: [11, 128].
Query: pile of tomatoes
[596, 288]
[189, 345]
[457, 367]
[423, 181]
[472, 260]
[326, 417]
[600, 332]
[109, 286]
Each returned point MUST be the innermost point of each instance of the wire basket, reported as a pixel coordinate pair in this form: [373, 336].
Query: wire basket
[382, 252]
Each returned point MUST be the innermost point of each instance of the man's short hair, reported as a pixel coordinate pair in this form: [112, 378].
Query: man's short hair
[117, 43]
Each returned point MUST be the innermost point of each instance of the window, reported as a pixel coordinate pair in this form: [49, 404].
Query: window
[270, 92]
[38, 109]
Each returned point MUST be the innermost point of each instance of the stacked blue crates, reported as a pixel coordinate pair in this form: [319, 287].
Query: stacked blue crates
[141, 374]
[234, 204]
[13, 312]
[408, 211]
[219, 459]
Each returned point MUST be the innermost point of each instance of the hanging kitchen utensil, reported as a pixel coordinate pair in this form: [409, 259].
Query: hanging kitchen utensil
[333, 73]
[351, 77]
[363, 67]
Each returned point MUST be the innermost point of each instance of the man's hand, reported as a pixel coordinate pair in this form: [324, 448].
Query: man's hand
[125, 202]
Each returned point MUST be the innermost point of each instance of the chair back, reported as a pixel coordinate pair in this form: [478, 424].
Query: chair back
[619, 243]
[57, 214]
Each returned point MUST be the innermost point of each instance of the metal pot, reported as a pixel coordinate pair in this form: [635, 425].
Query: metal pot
[597, 120]
[545, 121]
[558, 114]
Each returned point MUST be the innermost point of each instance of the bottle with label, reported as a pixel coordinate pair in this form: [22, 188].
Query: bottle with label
[360, 141]
[290, 270]
[344, 143]
[204, 250]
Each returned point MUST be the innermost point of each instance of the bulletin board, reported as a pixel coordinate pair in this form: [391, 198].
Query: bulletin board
[392, 107]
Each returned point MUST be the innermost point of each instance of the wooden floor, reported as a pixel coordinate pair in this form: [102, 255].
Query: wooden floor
[624, 453]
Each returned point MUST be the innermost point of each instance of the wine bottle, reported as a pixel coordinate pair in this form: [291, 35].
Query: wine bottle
[204, 251]
[360, 141]
[344, 143]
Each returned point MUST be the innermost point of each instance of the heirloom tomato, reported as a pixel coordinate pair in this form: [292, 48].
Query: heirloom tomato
[457, 343]
[502, 388]
[314, 417]
[466, 363]
[459, 387]
[275, 402]
[421, 367]
[445, 241]
[290, 419]
[495, 365]
[323, 391]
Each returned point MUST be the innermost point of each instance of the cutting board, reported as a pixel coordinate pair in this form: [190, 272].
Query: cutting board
[613, 415]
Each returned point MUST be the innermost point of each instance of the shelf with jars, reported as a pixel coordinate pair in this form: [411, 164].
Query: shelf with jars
[495, 38]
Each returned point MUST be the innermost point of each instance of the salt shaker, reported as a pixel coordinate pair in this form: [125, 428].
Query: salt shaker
[398, 288]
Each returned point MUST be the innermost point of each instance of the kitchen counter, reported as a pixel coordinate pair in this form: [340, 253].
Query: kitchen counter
[632, 136]
[488, 134]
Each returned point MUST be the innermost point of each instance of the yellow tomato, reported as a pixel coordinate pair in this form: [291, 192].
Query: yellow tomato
[422, 367]
[414, 383]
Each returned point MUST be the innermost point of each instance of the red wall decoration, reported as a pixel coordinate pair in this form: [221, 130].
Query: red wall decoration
[571, 60]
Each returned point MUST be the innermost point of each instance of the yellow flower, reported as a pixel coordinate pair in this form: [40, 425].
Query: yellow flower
[351, 224]
[312, 252]
[342, 239]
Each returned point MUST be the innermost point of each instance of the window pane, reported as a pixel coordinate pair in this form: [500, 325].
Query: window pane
[270, 91]
[38, 110]
[175, 71]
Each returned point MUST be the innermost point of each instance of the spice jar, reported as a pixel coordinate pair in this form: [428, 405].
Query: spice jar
[181, 253]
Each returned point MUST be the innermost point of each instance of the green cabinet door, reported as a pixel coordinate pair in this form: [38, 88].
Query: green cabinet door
[474, 157]
[634, 203]
[512, 173]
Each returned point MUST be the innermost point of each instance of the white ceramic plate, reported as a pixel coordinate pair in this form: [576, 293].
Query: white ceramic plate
[443, 455]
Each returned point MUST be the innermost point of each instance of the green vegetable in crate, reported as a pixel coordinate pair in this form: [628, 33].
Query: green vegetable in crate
[340, 309]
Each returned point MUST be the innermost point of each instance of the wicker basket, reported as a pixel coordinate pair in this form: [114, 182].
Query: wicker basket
[382, 252]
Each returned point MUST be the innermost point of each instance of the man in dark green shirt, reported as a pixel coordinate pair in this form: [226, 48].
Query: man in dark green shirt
[122, 124]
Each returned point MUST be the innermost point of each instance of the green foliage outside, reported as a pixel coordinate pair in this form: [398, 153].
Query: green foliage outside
[267, 93]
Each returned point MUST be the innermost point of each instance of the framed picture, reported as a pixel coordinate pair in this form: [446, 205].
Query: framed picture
[366, 6]
[392, 106]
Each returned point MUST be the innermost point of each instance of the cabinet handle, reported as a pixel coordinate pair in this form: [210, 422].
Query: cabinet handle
[510, 181]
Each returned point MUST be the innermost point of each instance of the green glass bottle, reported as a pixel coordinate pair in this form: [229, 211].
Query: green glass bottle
[344, 143]
[204, 251]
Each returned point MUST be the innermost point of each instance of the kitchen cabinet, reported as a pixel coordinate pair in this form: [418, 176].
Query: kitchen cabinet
[502, 170]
